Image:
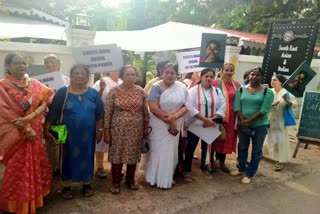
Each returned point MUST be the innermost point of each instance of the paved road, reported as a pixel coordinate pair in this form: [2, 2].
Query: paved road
[298, 196]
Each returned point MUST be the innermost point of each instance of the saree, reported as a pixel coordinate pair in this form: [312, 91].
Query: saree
[27, 176]
[163, 145]
[228, 145]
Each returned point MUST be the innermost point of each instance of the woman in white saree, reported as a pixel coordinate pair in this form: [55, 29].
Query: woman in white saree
[166, 101]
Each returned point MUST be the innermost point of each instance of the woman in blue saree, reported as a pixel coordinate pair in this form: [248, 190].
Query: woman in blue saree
[83, 115]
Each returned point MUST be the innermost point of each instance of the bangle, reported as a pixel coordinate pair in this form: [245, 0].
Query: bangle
[100, 130]
[175, 116]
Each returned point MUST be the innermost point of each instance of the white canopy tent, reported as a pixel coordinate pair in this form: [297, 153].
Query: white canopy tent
[164, 37]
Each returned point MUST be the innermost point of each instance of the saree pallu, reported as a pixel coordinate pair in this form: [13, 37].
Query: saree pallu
[163, 145]
[27, 176]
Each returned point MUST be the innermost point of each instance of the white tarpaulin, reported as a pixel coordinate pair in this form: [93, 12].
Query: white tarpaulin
[168, 36]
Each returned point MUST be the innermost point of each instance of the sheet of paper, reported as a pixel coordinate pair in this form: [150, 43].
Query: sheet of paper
[206, 134]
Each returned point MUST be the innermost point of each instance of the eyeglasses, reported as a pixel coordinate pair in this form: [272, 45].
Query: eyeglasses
[169, 73]
[19, 63]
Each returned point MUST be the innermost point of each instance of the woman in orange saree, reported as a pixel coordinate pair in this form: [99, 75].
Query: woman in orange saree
[27, 177]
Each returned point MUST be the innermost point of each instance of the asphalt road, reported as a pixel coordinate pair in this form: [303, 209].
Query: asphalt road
[297, 196]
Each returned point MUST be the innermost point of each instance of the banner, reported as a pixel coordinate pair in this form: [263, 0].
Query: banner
[53, 80]
[287, 47]
[188, 61]
[99, 58]
[213, 47]
[297, 82]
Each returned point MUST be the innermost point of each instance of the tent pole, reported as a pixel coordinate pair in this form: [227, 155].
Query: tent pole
[145, 69]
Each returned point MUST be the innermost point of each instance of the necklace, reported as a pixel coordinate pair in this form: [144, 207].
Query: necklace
[78, 92]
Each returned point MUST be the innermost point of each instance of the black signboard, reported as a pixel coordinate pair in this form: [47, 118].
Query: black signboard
[287, 47]
[309, 125]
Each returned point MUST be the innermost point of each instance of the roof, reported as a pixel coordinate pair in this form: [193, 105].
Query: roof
[32, 12]
[254, 37]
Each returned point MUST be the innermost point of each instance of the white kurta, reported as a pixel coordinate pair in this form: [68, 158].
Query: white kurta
[277, 140]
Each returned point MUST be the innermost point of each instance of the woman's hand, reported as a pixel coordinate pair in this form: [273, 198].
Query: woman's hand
[107, 137]
[170, 119]
[288, 102]
[31, 134]
[48, 136]
[21, 122]
[275, 103]
[173, 129]
[99, 136]
[207, 122]
[244, 125]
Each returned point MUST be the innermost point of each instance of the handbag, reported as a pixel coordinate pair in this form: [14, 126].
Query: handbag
[289, 119]
[145, 142]
[60, 131]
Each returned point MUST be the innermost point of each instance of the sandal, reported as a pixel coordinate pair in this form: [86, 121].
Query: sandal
[115, 189]
[132, 186]
[187, 177]
[66, 193]
[278, 166]
[87, 190]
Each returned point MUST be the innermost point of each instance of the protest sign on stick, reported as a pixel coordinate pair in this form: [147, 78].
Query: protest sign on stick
[99, 58]
[297, 82]
[188, 61]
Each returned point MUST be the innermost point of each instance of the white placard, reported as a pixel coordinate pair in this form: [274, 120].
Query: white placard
[53, 80]
[208, 134]
[99, 58]
[188, 61]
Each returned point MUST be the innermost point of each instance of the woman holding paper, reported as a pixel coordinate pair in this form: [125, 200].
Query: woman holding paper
[167, 99]
[205, 103]
[228, 87]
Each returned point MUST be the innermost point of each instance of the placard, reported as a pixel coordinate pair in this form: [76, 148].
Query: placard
[288, 45]
[99, 58]
[213, 47]
[53, 80]
[297, 82]
[188, 61]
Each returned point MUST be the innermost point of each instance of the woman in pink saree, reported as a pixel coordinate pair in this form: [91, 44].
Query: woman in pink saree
[28, 176]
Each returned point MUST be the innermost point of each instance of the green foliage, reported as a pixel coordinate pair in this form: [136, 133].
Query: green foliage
[243, 15]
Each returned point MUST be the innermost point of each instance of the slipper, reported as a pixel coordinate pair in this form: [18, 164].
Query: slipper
[278, 166]
[132, 186]
[115, 189]
[66, 193]
[187, 177]
[87, 190]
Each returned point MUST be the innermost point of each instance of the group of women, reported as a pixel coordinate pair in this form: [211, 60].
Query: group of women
[126, 119]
